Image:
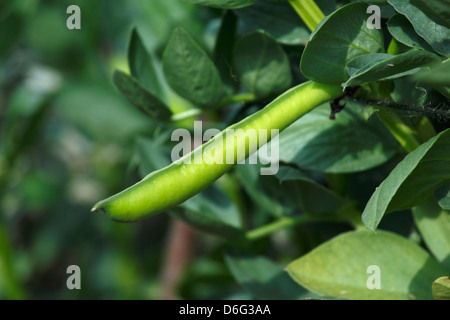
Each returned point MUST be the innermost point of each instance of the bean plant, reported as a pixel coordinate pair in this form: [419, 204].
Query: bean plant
[359, 90]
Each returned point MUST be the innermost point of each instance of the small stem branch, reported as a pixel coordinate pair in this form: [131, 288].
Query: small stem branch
[282, 223]
[240, 97]
[186, 114]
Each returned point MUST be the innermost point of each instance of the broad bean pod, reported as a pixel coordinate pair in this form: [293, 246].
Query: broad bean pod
[168, 187]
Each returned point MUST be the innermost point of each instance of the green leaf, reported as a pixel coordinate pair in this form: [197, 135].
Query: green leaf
[156, 20]
[437, 10]
[313, 197]
[338, 39]
[441, 288]
[438, 74]
[403, 31]
[223, 50]
[139, 97]
[261, 64]
[379, 66]
[279, 20]
[224, 4]
[151, 155]
[141, 66]
[340, 267]
[206, 277]
[354, 142]
[265, 191]
[413, 181]
[437, 36]
[442, 195]
[118, 122]
[264, 278]
[276, 18]
[408, 92]
[434, 225]
[190, 72]
[437, 77]
[211, 211]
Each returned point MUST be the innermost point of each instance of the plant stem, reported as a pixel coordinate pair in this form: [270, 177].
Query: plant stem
[349, 214]
[282, 223]
[228, 184]
[410, 139]
[275, 226]
[308, 11]
[425, 130]
[393, 47]
[398, 127]
[400, 130]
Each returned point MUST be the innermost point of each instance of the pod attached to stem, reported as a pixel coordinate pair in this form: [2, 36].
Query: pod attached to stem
[168, 187]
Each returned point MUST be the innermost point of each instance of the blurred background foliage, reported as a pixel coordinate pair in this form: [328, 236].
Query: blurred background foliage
[68, 138]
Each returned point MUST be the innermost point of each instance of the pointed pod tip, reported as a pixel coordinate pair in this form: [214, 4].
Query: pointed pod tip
[98, 209]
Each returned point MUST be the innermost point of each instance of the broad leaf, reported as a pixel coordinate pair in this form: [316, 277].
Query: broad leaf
[413, 181]
[443, 196]
[261, 64]
[141, 66]
[276, 18]
[224, 4]
[342, 266]
[354, 142]
[151, 155]
[403, 31]
[438, 74]
[279, 20]
[119, 121]
[265, 191]
[313, 197]
[434, 225]
[264, 278]
[438, 77]
[437, 10]
[437, 36]
[338, 39]
[379, 66]
[140, 97]
[441, 288]
[223, 50]
[408, 92]
[190, 72]
[212, 211]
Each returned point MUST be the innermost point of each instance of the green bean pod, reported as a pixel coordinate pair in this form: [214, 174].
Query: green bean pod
[174, 184]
